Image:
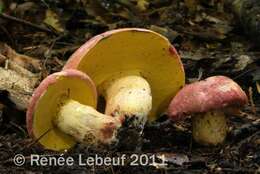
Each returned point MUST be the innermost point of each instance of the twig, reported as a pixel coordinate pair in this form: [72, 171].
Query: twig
[18, 127]
[244, 73]
[245, 132]
[252, 104]
[38, 139]
[12, 18]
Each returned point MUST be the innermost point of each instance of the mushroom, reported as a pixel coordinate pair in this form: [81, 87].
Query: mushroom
[62, 111]
[207, 101]
[128, 66]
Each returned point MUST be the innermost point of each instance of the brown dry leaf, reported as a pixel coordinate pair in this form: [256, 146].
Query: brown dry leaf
[18, 85]
[165, 31]
[243, 62]
[29, 63]
[142, 5]
[97, 10]
[21, 9]
[17, 77]
[191, 4]
[258, 87]
[173, 158]
[52, 20]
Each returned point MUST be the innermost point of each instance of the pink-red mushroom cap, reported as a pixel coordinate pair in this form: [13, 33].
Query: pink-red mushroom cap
[213, 93]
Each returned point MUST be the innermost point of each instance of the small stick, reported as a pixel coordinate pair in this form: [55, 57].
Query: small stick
[246, 130]
[38, 139]
[252, 104]
[21, 21]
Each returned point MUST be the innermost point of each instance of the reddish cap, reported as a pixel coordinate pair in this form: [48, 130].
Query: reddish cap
[213, 93]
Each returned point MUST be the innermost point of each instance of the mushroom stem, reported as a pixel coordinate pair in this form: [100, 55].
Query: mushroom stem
[127, 97]
[87, 125]
[209, 128]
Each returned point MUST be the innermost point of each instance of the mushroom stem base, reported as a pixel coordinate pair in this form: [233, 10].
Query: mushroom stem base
[87, 125]
[209, 128]
[127, 97]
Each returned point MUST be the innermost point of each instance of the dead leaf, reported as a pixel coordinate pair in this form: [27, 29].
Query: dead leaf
[18, 86]
[191, 4]
[142, 5]
[17, 77]
[258, 87]
[256, 75]
[243, 61]
[251, 100]
[173, 158]
[29, 63]
[21, 9]
[52, 20]
[165, 31]
[98, 10]
[196, 55]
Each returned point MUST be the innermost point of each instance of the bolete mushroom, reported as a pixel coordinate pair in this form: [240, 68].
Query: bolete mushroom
[128, 66]
[62, 111]
[207, 102]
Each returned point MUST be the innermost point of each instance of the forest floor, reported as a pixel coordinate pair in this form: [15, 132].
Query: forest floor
[210, 40]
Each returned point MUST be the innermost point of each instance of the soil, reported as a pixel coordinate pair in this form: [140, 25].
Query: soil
[211, 40]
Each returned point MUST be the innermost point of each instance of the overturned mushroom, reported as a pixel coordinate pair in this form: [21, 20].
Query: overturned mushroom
[128, 66]
[62, 111]
[207, 101]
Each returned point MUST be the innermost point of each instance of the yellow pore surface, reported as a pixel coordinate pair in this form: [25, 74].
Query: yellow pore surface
[137, 53]
[48, 106]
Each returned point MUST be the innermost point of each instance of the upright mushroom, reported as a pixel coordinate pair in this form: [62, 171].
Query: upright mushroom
[207, 101]
[62, 111]
[128, 66]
